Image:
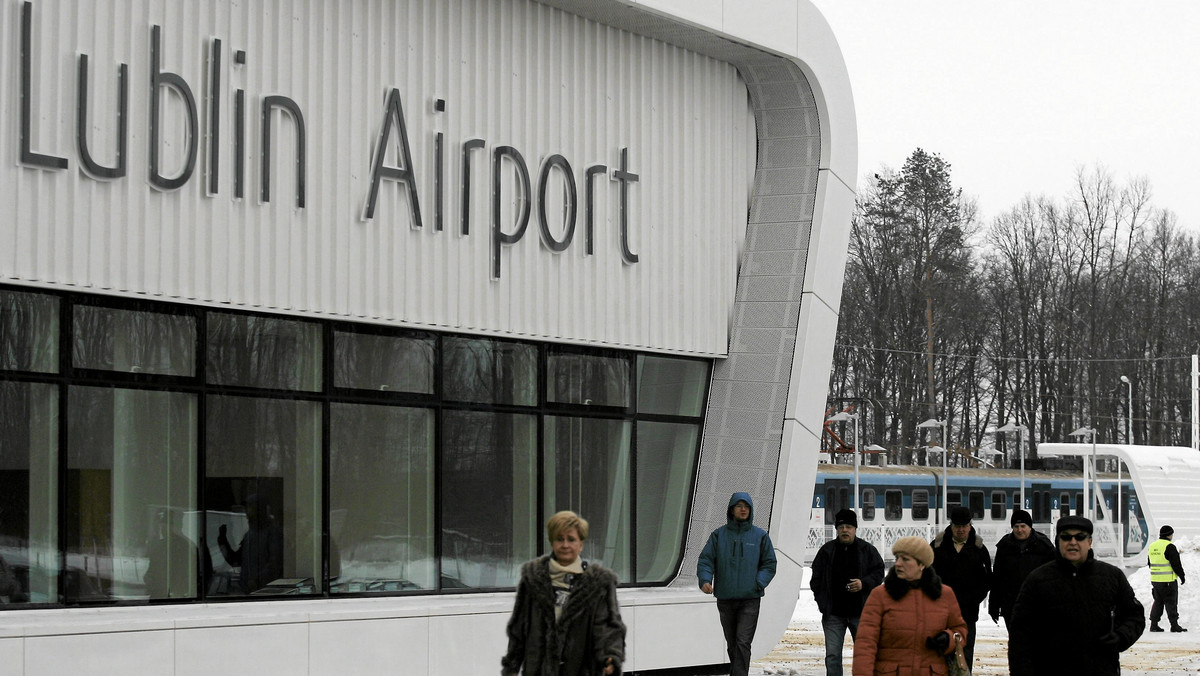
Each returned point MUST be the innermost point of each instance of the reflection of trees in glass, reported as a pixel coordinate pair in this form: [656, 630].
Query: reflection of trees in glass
[381, 489]
[487, 486]
[587, 467]
[381, 362]
[28, 332]
[588, 379]
[264, 352]
[128, 340]
[489, 371]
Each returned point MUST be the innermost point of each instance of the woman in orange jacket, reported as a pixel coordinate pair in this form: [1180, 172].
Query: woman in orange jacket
[909, 623]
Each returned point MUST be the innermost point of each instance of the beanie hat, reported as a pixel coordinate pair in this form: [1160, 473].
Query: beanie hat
[1073, 522]
[915, 547]
[1166, 532]
[1021, 516]
[960, 516]
[846, 517]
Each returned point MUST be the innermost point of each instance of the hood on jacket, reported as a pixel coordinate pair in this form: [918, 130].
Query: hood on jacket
[739, 497]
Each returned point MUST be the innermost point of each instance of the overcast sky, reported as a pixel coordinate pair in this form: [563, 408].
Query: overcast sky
[1016, 94]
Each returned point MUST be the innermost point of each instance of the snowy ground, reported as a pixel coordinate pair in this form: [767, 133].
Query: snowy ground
[802, 650]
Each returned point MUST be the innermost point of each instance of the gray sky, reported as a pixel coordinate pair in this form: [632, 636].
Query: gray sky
[1016, 94]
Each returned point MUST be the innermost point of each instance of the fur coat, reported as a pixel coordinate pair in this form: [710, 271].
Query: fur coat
[589, 631]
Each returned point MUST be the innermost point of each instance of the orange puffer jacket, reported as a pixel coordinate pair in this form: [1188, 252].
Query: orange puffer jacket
[896, 621]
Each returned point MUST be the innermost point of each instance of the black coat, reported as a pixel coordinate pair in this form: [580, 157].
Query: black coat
[1061, 614]
[968, 571]
[824, 578]
[589, 631]
[1015, 560]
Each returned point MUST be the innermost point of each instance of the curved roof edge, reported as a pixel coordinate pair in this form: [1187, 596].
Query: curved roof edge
[732, 31]
[1165, 478]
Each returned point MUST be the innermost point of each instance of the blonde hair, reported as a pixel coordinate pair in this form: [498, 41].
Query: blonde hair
[565, 521]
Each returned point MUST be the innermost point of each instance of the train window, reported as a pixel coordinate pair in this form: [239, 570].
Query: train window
[953, 499]
[1064, 504]
[893, 505]
[831, 507]
[999, 505]
[868, 504]
[920, 505]
[975, 502]
[1080, 508]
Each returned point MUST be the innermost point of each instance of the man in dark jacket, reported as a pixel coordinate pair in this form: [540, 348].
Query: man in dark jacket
[1166, 574]
[962, 561]
[736, 565]
[1017, 554]
[1076, 614]
[844, 572]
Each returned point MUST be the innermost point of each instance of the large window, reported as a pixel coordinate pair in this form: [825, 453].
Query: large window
[157, 452]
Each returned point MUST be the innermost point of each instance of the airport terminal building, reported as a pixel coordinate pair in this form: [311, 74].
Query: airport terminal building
[313, 311]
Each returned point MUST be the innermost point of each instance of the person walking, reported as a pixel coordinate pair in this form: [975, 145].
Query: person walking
[911, 622]
[565, 620]
[963, 562]
[1076, 614]
[844, 572]
[736, 565]
[1017, 554]
[1166, 574]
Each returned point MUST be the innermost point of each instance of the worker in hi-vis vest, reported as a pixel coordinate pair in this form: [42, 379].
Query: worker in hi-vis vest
[1166, 574]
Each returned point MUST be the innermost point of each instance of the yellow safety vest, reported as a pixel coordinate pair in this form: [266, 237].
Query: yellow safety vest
[1160, 567]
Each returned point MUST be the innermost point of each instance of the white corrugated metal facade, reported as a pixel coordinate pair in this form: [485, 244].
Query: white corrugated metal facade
[511, 73]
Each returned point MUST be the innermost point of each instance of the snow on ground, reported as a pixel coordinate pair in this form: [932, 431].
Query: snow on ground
[802, 650]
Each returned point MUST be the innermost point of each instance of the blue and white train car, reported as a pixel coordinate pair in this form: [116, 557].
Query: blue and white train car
[899, 501]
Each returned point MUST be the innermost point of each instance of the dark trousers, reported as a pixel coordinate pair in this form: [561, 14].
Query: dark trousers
[1166, 595]
[739, 619]
[969, 644]
[835, 627]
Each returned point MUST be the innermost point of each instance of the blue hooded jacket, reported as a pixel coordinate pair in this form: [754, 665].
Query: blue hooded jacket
[738, 558]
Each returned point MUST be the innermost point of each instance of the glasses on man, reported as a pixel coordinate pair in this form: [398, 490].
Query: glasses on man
[1078, 537]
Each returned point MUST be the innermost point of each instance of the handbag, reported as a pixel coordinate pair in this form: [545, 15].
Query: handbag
[956, 662]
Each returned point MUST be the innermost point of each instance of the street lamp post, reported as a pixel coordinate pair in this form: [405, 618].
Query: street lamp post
[1129, 417]
[1020, 430]
[1088, 432]
[928, 424]
[840, 417]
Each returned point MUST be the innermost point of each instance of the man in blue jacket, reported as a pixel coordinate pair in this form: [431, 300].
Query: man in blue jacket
[736, 566]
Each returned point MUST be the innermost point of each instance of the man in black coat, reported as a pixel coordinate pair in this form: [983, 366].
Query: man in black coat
[1017, 554]
[962, 561]
[1076, 614]
[844, 572]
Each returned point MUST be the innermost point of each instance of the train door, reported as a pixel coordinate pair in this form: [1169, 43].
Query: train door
[837, 498]
[1043, 504]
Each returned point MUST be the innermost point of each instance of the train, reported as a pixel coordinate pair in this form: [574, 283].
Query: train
[902, 500]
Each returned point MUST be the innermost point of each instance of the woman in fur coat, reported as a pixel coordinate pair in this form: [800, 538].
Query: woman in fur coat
[910, 622]
[566, 621]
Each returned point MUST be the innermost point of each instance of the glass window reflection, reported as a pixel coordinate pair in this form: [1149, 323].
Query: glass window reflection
[587, 471]
[490, 524]
[666, 458]
[381, 499]
[132, 341]
[131, 481]
[28, 332]
[264, 352]
[28, 493]
[385, 363]
[669, 386]
[262, 493]
[588, 379]
[489, 371]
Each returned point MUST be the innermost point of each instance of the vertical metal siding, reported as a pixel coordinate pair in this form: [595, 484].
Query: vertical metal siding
[511, 72]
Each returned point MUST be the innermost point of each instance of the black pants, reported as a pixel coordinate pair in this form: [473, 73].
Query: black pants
[1166, 595]
[969, 644]
[739, 620]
